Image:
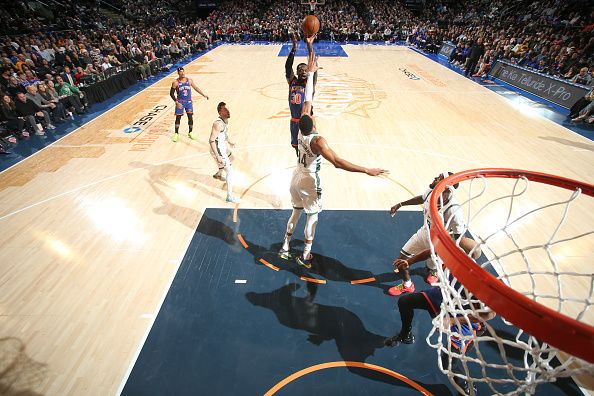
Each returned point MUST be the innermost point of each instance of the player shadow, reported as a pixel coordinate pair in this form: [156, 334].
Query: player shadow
[19, 373]
[217, 229]
[329, 323]
[159, 180]
[323, 267]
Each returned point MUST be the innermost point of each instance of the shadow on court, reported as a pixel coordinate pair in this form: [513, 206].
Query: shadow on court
[232, 325]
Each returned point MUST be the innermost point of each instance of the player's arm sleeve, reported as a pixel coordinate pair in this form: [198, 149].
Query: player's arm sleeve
[172, 94]
[289, 65]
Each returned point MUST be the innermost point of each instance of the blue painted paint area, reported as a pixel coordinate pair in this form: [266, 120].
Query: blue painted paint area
[213, 336]
[321, 48]
[24, 148]
[524, 101]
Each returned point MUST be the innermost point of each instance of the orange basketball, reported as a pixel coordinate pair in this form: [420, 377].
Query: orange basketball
[310, 25]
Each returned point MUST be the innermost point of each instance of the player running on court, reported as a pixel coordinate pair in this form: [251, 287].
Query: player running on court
[306, 190]
[219, 139]
[183, 102]
[297, 85]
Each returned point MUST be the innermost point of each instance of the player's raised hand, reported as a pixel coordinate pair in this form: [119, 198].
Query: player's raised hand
[375, 171]
[310, 40]
[394, 208]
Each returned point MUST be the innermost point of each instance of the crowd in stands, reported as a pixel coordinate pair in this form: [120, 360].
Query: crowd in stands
[48, 52]
[553, 37]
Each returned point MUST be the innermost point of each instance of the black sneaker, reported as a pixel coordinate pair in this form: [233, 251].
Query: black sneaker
[467, 388]
[404, 338]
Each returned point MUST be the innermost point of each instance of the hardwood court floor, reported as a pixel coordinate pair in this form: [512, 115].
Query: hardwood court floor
[94, 226]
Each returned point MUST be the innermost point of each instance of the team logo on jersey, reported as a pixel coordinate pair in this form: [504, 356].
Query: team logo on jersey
[335, 95]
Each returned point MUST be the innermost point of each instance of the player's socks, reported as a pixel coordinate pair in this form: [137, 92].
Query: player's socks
[307, 250]
[284, 251]
[175, 137]
[286, 242]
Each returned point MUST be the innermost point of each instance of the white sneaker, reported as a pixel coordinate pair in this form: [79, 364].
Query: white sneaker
[51, 126]
[232, 199]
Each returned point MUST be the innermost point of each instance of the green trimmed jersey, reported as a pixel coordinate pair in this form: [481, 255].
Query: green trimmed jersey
[308, 161]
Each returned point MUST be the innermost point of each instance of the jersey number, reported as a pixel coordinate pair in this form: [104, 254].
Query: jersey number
[302, 160]
[296, 98]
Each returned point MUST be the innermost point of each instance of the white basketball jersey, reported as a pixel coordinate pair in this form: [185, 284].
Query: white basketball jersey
[221, 139]
[309, 162]
[453, 218]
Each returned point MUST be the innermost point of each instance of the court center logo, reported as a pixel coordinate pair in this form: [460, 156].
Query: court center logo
[335, 95]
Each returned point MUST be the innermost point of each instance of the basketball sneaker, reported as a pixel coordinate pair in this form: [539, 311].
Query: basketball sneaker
[466, 386]
[305, 262]
[399, 289]
[432, 277]
[232, 199]
[219, 175]
[284, 254]
[404, 338]
[175, 137]
[191, 135]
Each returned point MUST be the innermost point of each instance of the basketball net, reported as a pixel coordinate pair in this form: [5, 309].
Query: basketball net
[530, 228]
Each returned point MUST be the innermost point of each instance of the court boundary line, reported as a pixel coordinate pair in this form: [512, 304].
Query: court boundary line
[155, 313]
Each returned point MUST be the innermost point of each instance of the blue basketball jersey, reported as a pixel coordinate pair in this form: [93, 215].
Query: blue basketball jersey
[184, 90]
[296, 97]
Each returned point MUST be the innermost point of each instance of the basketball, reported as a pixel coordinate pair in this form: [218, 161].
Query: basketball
[310, 25]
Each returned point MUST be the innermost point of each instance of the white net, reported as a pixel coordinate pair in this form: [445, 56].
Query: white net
[538, 240]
